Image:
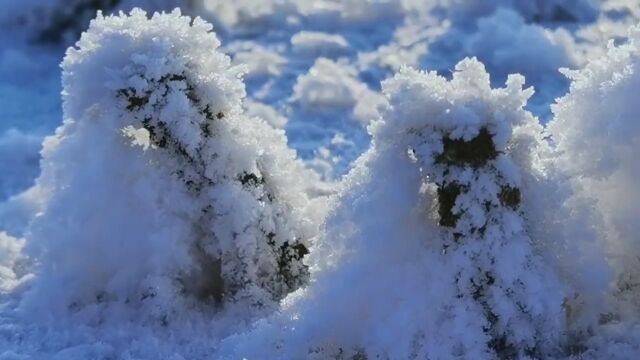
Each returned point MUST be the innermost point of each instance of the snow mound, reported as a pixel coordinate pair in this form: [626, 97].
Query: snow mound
[428, 253]
[318, 44]
[163, 200]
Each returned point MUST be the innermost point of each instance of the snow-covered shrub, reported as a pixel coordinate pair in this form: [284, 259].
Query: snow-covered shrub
[597, 133]
[461, 135]
[428, 253]
[161, 194]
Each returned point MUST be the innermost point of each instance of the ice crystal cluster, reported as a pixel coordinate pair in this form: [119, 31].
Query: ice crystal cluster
[199, 203]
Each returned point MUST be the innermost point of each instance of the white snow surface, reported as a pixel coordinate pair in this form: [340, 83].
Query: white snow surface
[598, 136]
[274, 185]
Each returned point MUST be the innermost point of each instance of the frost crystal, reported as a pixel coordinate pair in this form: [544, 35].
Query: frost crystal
[460, 135]
[427, 254]
[597, 132]
[162, 193]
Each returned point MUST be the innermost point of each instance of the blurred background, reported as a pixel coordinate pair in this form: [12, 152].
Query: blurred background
[314, 66]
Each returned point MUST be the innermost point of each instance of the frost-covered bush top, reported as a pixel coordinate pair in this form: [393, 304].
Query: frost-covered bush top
[428, 254]
[162, 194]
[461, 135]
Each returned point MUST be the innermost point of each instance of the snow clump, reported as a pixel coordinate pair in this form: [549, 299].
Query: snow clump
[161, 195]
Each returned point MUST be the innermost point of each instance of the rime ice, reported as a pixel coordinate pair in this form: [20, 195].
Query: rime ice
[171, 198]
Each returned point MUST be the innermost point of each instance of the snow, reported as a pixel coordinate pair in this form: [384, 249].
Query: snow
[10, 255]
[176, 203]
[160, 202]
[410, 288]
[29, 87]
[315, 44]
[598, 136]
[18, 152]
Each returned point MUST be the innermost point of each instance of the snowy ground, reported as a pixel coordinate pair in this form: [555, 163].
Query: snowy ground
[313, 69]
